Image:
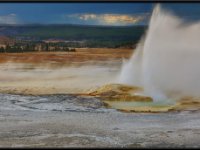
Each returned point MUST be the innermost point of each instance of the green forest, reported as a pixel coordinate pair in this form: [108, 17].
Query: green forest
[71, 36]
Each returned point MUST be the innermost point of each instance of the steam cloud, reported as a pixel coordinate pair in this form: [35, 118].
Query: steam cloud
[166, 61]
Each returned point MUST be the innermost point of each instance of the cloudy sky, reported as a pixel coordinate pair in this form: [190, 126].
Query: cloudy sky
[117, 14]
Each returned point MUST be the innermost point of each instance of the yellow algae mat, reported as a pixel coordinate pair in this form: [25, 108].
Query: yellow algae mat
[130, 99]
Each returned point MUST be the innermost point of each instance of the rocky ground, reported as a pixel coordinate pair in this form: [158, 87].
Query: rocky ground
[73, 121]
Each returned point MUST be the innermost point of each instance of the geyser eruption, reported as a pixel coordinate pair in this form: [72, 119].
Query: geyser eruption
[166, 62]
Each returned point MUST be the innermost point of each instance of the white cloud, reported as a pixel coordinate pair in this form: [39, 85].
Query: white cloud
[111, 19]
[9, 19]
[87, 16]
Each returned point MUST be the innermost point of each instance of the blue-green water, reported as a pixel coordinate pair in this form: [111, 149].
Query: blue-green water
[129, 104]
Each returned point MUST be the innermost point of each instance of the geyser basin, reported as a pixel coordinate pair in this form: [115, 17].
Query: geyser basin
[131, 99]
[120, 92]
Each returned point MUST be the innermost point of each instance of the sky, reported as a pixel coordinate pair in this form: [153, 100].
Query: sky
[114, 14]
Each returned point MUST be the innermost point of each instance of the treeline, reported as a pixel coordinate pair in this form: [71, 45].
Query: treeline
[64, 47]
[32, 37]
[99, 44]
[31, 47]
[109, 44]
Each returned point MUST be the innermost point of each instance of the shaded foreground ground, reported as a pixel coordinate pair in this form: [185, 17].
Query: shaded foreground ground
[49, 113]
[71, 121]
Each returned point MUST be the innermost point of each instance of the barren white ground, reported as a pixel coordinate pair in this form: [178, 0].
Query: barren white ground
[70, 121]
